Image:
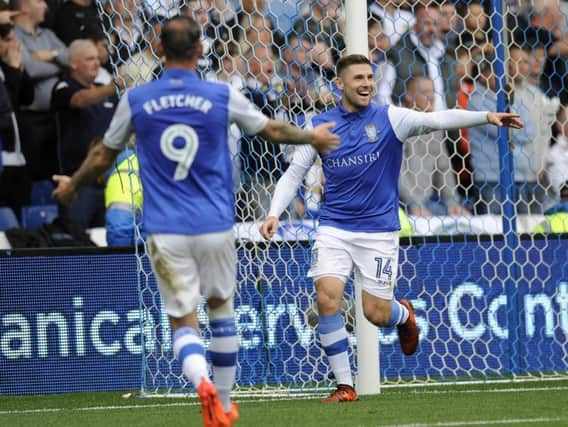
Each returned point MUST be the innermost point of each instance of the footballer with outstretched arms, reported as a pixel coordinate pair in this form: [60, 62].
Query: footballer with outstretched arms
[359, 222]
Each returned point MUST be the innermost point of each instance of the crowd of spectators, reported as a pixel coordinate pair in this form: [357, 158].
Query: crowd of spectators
[57, 90]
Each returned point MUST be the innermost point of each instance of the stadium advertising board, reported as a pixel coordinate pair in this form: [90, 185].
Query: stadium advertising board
[72, 323]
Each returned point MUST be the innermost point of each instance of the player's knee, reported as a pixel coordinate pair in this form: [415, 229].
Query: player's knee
[327, 304]
[377, 317]
[220, 309]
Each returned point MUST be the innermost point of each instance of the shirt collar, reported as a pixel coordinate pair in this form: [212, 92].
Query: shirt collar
[346, 113]
[179, 73]
[37, 32]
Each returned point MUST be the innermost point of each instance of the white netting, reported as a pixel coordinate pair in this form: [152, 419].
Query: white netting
[490, 306]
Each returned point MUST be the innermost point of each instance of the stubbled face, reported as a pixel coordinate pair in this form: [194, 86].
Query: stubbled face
[358, 85]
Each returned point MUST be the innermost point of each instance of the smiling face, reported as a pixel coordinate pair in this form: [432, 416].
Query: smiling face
[358, 86]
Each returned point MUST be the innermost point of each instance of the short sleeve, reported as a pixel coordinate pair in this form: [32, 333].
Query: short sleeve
[62, 94]
[120, 129]
[244, 113]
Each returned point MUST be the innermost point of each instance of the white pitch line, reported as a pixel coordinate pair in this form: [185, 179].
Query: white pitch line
[97, 408]
[491, 390]
[480, 422]
[159, 405]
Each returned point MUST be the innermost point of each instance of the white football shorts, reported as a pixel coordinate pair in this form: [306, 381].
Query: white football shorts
[188, 267]
[373, 257]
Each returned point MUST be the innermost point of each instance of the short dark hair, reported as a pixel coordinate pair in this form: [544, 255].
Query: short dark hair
[180, 38]
[347, 61]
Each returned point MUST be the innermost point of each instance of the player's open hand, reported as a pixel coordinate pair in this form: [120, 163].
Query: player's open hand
[324, 141]
[509, 120]
[64, 193]
[269, 228]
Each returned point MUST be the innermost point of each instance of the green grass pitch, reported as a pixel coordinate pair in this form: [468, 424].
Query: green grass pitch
[535, 403]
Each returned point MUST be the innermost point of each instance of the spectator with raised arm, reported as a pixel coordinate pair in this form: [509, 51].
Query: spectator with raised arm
[84, 110]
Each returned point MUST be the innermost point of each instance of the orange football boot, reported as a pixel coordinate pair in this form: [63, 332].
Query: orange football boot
[344, 393]
[211, 408]
[408, 332]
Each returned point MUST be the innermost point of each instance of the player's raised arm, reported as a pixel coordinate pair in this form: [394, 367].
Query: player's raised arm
[249, 118]
[100, 157]
[319, 137]
[408, 123]
[287, 187]
[98, 160]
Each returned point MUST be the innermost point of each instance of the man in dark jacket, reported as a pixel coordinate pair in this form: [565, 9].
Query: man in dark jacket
[16, 88]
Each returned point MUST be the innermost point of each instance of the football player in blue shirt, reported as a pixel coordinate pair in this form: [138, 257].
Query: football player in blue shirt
[181, 124]
[359, 222]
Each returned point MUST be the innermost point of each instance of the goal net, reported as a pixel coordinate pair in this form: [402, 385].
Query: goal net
[488, 280]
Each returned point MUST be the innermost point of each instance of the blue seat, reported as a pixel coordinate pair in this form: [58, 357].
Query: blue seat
[41, 192]
[8, 219]
[33, 217]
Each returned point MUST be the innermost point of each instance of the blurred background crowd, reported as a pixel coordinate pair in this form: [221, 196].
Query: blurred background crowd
[58, 92]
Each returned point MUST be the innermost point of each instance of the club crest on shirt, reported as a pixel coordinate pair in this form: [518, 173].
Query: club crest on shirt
[372, 133]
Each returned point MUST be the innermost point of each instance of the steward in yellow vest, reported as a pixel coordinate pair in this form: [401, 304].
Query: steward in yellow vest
[556, 218]
[123, 200]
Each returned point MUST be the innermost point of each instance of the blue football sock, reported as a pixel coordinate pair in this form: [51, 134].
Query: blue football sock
[335, 342]
[399, 314]
[188, 349]
[223, 351]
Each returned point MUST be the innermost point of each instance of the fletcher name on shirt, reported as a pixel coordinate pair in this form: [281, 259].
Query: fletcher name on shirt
[178, 101]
